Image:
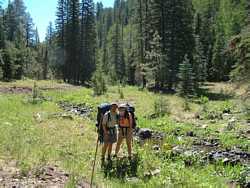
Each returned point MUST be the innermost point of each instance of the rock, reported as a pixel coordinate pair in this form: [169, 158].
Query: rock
[156, 147]
[225, 161]
[132, 180]
[145, 133]
[38, 117]
[155, 172]
[226, 111]
[147, 175]
[213, 121]
[231, 124]
[204, 126]
[197, 116]
[190, 133]
[177, 150]
[229, 157]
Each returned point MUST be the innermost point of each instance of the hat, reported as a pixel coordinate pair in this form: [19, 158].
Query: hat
[114, 103]
[123, 106]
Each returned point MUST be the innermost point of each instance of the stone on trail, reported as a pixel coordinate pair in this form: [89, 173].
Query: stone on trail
[145, 133]
[133, 180]
[155, 172]
[190, 133]
[231, 124]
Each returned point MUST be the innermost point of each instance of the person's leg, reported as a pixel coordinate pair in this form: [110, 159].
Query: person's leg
[104, 149]
[129, 145]
[109, 150]
[118, 145]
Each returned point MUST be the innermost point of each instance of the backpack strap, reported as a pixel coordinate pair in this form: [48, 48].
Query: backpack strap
[109, 116]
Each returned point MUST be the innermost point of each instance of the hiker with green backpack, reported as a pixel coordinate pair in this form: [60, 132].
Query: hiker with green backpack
[109, 126]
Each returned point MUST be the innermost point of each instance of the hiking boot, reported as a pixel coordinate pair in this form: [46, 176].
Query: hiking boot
[109, 158]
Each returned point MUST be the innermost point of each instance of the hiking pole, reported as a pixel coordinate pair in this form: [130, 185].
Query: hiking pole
[93, 169]
[96, 150]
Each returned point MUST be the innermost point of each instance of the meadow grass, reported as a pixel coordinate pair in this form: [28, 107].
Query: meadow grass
[70, 143]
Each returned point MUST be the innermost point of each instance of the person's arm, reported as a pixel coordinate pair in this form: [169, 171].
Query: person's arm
[130, 121]
[104, 123]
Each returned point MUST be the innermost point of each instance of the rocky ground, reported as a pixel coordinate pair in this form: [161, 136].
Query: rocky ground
[46, 176]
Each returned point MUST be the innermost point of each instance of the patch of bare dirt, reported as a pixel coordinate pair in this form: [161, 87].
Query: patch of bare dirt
[27, 90]
[47, 176]
[15, 90]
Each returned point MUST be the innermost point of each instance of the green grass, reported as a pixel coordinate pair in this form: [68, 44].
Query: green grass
[71, 143]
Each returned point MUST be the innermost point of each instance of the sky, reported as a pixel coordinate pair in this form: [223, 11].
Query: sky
[43, 11]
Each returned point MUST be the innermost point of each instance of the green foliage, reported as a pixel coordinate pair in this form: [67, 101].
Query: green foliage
[186, 105]
[186, 76]
[161, 106]
[34, 144]
[99, 82]
[120, 91]
[153, 67]
[204, 102]
[239, 47]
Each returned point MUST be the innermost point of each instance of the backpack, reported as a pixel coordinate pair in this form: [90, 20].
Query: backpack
[131, 110]
[101, 110]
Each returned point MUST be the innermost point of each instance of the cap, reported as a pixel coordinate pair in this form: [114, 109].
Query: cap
[114, 103]
[123, 106]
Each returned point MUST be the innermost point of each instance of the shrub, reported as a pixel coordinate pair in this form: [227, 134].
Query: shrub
[204, 101]
[99, 83]
[120, 91]
[161, 106]
[186, 105]
[36, 95]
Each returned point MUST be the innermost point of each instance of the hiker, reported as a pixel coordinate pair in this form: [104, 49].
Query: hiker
[110, 123]
[125, 129]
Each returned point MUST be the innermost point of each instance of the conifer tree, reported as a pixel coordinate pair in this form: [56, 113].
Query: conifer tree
[88, 40]
[186, 77]
[72, 33]
[61, 18]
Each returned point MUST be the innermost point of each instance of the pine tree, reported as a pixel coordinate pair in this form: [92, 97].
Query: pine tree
[2, 33]
[36, 37]
[30, 32]
[88, 40]
[60, 22]
[61, 18]
[248, 13]
[10, 22]
[72, 64]
[186, 77]
[199, 64]
[218, 61]
[154, 62]
[179, 39]
[116, 53]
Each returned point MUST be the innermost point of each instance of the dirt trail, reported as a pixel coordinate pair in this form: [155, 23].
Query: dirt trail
[46, 176]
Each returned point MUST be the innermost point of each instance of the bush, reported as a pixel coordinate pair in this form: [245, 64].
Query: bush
[120, 91]
[186, 105]
[204, 101]
[161, 106]
[36, 95]
[99, 83]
